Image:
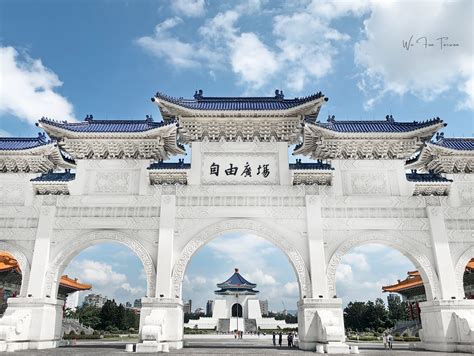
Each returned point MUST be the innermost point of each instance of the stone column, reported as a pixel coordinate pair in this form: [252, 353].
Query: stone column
[448, 320]
[164, 262]
[34, 322]
[161, 318]
[320, 318]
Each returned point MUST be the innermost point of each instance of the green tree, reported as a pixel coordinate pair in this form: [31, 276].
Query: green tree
[354, 316]
[89, 316]
[397, 310]
[108, 315]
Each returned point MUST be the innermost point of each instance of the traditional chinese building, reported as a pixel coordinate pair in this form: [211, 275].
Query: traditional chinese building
[413, 292]
[237, 308]
[10, 281]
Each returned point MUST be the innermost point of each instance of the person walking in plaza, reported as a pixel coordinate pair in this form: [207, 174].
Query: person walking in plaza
[390, 341]
[274, 339]
[280, 338]
[384, 338]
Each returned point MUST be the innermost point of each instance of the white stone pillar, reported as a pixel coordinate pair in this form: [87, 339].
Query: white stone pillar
[40, 262]
[317, 259]
[283, 163]
[442, 254]
[34, 322]
[161, 318]
[164, 263]
[448, 320]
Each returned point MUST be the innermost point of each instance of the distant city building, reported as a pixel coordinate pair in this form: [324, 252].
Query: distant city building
[199, 311]
[187, 306]
[95, 300]
[137, 303]
[128, 305]
[209, 306]
[264, 307]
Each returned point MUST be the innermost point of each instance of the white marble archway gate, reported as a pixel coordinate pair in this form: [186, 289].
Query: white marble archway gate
[357, 189]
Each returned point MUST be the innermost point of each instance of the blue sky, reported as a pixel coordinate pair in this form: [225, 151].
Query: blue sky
[66, 59]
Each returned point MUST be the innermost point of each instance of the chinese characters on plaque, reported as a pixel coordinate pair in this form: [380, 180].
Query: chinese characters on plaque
[246, 171]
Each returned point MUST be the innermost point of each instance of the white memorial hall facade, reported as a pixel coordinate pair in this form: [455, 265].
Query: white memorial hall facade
[106, 181]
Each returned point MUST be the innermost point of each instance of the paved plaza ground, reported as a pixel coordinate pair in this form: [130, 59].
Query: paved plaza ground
[219, 346]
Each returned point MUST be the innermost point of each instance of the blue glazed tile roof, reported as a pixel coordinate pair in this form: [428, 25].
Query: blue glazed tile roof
[106, 126]
[55, 177]
[170, 165]
[388, 125]
[22, 143]
[426, 177]
[310, 165]
[200, 102]
[236, 281]
[462, 144]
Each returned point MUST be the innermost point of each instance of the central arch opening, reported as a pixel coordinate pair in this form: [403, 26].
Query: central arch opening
[239, 284]
[237, 310]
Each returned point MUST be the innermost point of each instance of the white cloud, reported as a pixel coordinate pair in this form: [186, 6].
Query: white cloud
[27, 89]
[291, 289]
[344, 273]
[357, 260]
[260, 278]
[425, 72]
[105, 280]
[4, 133]
[252, 60]
[189, 8]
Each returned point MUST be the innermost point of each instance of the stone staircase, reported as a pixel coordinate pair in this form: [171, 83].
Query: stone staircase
[250, 325]
[74, 325]
[223, 325]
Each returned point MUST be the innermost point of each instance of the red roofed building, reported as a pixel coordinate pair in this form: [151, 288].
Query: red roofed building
[10, 281]
[413, 291]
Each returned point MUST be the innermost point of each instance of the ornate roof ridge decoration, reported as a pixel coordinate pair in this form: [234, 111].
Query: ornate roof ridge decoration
[430, 183]
[365, 139]
[32, 155]
[258, 103]
[318, 165]
[115, 139]
[311, 173]
[53, 183]
[448, 155]
[169, 172]
[240, 118]
[169, 165]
